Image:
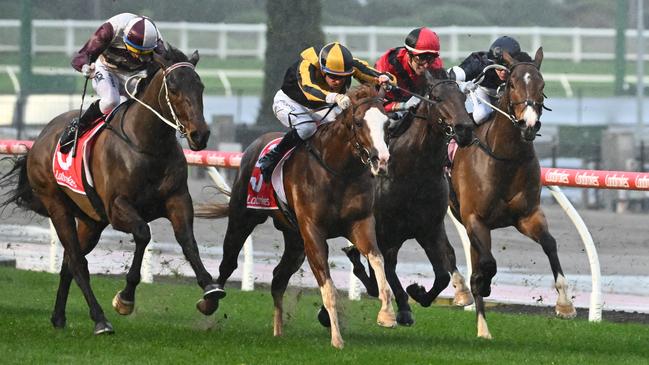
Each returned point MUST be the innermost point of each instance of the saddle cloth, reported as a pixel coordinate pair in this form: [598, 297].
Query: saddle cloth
[68, 170]
[261, 194]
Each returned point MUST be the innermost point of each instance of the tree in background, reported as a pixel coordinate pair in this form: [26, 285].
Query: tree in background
[292, 26]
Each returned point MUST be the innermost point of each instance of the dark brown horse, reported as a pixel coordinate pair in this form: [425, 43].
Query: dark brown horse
[140, 174]
[331, 195]
[412, 200]
[496, 183]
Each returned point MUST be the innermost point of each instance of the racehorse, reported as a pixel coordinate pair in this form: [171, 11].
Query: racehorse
[412, 200]
[329, 183]
[140, 174]
[496, 182]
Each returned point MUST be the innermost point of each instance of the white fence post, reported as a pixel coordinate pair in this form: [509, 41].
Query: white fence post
[147, 260]
[595, 310]
[55, 250]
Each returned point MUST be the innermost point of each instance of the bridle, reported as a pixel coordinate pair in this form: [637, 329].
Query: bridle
[538, 106]
[176, 124]
[448, 129]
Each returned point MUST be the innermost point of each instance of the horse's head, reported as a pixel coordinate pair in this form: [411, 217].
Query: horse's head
[524, 92]
[366, 124]
[446, 99]
[181, 97]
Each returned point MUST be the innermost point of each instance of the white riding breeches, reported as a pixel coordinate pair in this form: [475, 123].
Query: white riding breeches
[481, 111]
[295, 115]
[109, 86]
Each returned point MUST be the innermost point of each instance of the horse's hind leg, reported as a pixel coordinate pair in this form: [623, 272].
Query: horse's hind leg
[536, 227]
[88, 233]
[362, 234]
[462, 295]
[65, 224]
[291, 261]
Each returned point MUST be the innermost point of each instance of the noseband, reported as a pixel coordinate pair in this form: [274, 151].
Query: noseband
[176, 122]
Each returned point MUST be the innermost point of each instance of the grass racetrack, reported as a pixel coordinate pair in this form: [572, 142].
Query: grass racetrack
[166, 328]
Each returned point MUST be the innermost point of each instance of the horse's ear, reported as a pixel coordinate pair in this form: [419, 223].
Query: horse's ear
[194, 58]
[509, 60]
[538, 58]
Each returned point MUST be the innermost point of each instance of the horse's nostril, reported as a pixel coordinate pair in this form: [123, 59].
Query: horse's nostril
[200, 138]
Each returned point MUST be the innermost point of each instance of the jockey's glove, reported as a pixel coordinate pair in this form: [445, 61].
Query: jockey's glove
[342, 100]
[411, 103]
[88, 70]
[383, 78]
[468, 86]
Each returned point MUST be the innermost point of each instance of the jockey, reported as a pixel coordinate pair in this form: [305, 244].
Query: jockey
[472, 67]
[313, 93]
[120, 48]
[408, 64]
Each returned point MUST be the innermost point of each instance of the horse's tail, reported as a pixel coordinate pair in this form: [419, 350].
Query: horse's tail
[20, 191]
[213, 211]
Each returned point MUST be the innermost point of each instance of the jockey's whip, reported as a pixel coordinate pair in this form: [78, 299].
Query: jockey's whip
[76, 130]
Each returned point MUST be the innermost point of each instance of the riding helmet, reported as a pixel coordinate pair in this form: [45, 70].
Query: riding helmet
[502, 44]
[140, 35]
[336, 59]
[422, 40]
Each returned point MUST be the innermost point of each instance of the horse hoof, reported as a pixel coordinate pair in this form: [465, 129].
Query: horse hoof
[463, 298]
[58, 322]
[418, 293]
[404, 318]
[386, 319]
[207, 307]
[122, 306]
[323, 317]
[566, 311]
[102, 328]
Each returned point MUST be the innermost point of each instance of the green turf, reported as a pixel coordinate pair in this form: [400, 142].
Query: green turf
[166, 328]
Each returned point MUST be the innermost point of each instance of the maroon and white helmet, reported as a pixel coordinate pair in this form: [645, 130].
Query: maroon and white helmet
[140, 35]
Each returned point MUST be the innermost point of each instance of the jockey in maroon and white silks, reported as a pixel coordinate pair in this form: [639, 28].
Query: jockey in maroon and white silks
[120, 48]
[408, 63]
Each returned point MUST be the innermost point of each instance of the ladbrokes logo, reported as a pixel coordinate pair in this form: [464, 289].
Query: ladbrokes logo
[555, 176]
[642, 182]
[586, 179]
[615, 181]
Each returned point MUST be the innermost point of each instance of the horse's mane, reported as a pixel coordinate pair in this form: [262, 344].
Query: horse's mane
[362, 91]
[522, 57]
[171, 55]
[439, 73]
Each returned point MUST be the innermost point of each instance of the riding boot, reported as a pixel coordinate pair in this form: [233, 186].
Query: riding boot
[268, 162]
[90, 115]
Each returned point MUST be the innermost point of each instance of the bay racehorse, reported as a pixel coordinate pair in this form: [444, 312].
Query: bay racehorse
[140, 174]
[329, 183]
[496, 183]
[412, 199]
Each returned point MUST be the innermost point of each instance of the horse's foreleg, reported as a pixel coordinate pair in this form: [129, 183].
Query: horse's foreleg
[291, 261]
[433, 241]
[483, 269]
[368, 281]
[317, 252]
[363, 235]
[462, 296]
[77, 265]
[536, 227]
[404, 314]
[124, 217]
[180, 213]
